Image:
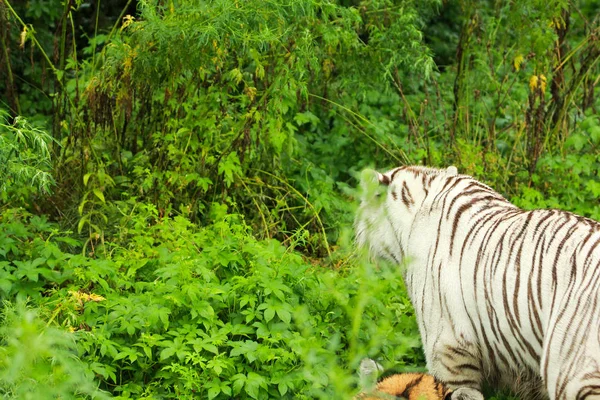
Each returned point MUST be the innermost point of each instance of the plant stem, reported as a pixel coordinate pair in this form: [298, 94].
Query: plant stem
[9, 70]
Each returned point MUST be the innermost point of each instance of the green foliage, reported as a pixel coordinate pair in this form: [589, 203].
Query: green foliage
[201, 103]
[38, 362]
[24, 159]
[30, 263]
[579, 167]
[209, 313]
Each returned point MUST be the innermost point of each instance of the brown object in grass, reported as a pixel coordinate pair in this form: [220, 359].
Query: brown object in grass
[411, 386]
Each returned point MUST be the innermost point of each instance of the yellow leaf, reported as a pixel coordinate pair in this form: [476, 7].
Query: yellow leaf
[250, 92]
[83, 297]
[533, 82]
[328, 67]
[557, 23]
[96, 297]
[23, 37]
[127, 20]
[75, 294]
[538, 81]
[518, 61]
[543, 83]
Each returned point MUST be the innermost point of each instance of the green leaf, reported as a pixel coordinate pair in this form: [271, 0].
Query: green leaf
[213, 392]
[284, 315]
[6, 286]
[238, 383]
[226, 389]
[168, 352]
[236, 75]
[147, 351]
[82, 205]
[121, 355]
[230, 167]
[269, 314]
[247, 348]
[86, 178]
[595, 134]
[254, 383]
[306, 117]
[210, 348]
[252, 389]
[594, 188]
[283, 388]
[99, 195]
[81, 223]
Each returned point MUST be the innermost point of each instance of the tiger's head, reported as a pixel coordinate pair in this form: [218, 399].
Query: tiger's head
[391, 385]
[388, 206]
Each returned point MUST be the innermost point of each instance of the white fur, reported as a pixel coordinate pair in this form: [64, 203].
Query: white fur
[480, 311]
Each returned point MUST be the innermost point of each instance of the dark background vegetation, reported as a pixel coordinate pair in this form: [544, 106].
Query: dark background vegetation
[177, 178]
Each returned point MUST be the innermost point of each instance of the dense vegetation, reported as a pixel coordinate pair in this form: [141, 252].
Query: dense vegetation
[177, 178]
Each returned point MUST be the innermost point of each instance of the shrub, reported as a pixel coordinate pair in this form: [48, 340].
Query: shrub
[178, 311]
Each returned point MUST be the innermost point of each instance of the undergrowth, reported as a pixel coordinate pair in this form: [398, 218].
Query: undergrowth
[179, 311]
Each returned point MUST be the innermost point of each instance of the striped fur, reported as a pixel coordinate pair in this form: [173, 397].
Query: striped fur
[410, 386]
[502, 295]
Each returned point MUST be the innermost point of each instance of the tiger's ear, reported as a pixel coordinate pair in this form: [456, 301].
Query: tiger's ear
[370, 177]
[370, 181]
[452, 170]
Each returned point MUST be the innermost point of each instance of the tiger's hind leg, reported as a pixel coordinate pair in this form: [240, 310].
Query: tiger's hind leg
[458, 366]
[584, 385]
[570, 364]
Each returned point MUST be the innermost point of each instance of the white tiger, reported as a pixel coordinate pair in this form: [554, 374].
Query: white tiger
[502, 295]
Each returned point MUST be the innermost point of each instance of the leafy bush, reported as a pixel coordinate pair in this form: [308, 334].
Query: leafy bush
[175, 311]
[200, 103]
[579, 167]
[25, 162]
